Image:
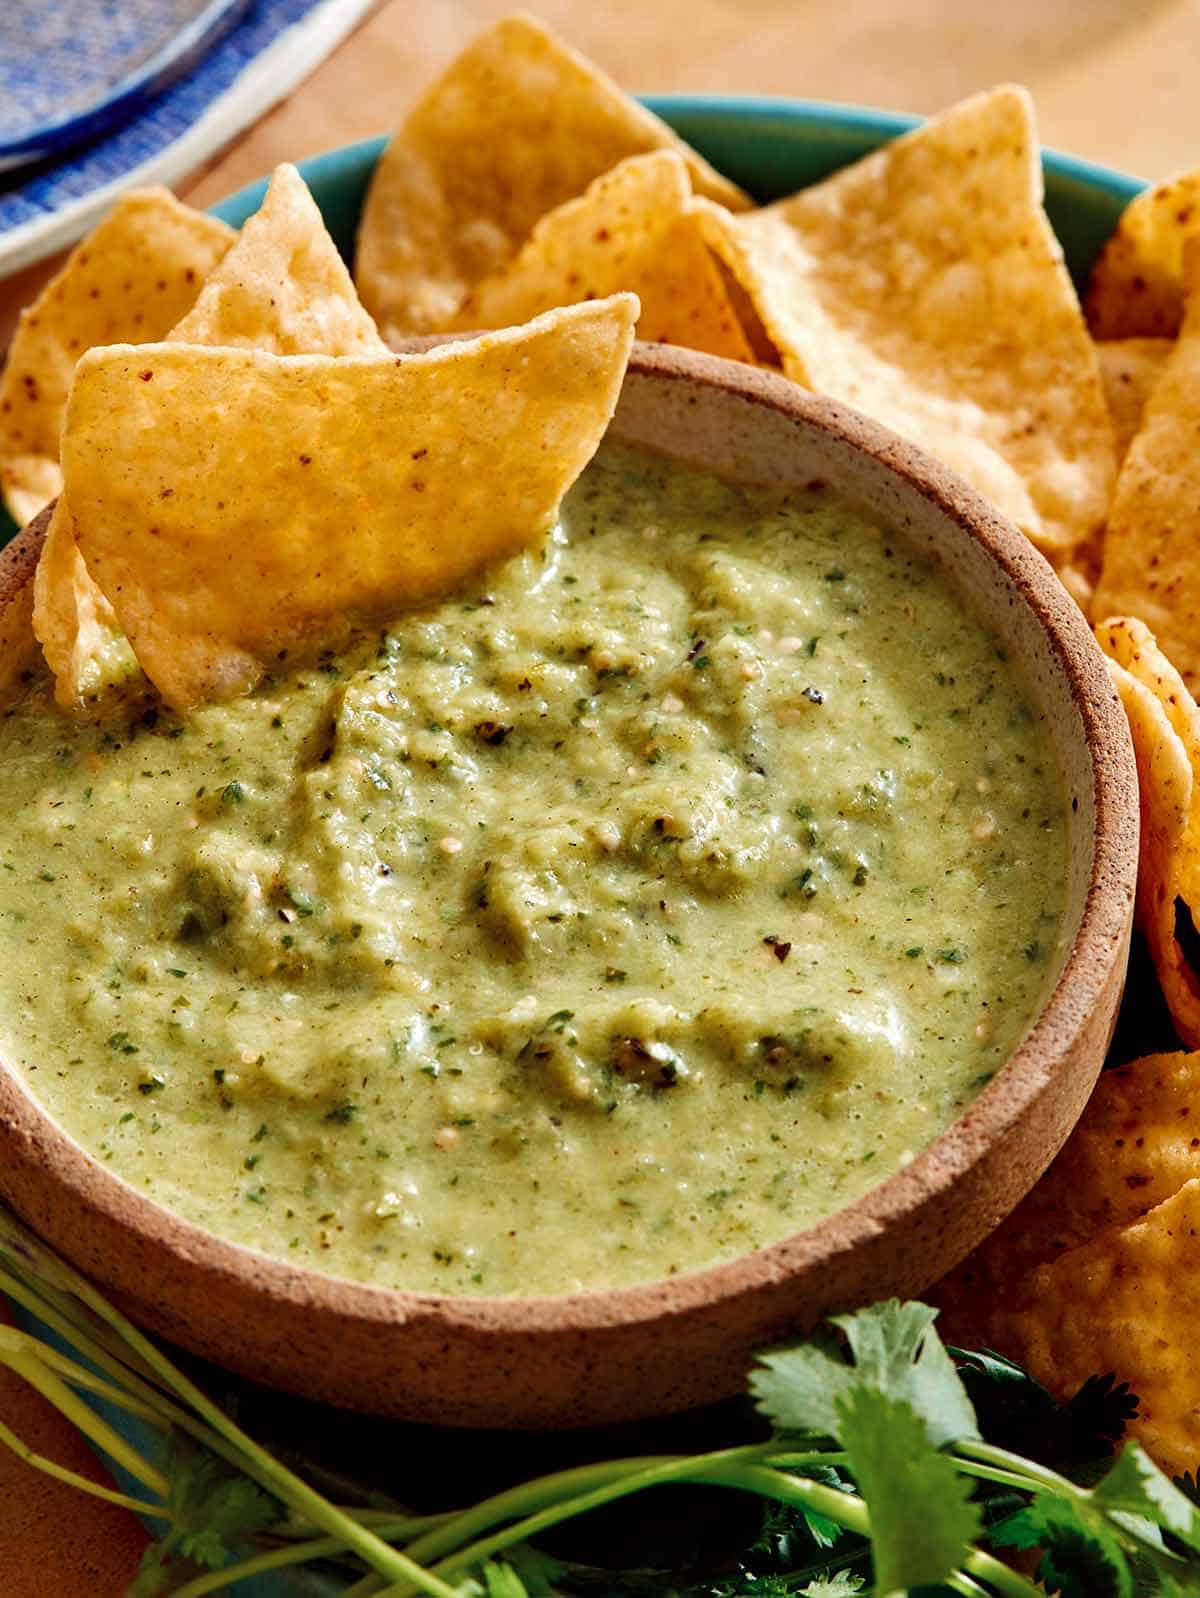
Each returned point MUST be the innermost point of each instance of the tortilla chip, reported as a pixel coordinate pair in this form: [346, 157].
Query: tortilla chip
[1165, 723]
[130, 280]
[283, 287]
[517, 125]
[632, 229]
[1136, 288]
[238, 507]
[1130, 369]
[1128, 1302]
[925, 286]
[1152, 547]
[1136, 1145]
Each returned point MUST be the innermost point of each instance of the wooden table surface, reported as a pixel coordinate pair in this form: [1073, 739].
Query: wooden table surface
[1117, 81]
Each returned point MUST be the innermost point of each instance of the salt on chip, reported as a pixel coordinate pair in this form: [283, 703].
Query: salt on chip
[1127, 1301]
[925, 286]
[1130, 369]
[129, 281]
[1137, 284]
[1165, 723]
[282, 287]
[1136, 1144]
[1152, 545]
[514, 127]
[633, 229]
[239, 508]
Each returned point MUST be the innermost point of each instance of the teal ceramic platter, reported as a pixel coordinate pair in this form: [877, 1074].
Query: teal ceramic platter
[770, 147]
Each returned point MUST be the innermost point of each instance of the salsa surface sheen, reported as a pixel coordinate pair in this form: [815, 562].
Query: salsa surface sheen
[650, 899]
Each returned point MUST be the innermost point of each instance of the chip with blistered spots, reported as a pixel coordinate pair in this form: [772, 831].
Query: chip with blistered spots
[1130, 369]
[328, 483]
[1137, 284]
[635, 228]
[1151, 563]
[1164, 721]
[925, 286]
[518, 124]
[282, 287]
[130, 280]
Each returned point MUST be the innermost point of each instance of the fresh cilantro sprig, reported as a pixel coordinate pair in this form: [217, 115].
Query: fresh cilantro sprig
[893, 1466]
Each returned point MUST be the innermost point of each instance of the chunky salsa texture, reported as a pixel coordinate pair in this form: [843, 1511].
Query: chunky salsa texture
[648, 900]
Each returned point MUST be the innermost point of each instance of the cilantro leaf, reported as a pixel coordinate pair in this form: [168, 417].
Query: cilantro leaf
[896, 1352]
[1136, 1486]
[901, 1475]
[215, 1512]
[1081, 1554]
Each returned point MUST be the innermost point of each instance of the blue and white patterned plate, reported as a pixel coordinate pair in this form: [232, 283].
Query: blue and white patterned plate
[268, 46]
[72, 69]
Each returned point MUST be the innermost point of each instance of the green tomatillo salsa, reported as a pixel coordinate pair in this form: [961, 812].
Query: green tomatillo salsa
[648, 900]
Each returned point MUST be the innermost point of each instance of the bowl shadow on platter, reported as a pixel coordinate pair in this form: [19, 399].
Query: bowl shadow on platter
[608, 1356]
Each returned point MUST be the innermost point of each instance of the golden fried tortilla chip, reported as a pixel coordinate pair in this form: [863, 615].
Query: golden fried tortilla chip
[129, 281]
[633, 229]
[1151, 563]
[1165, 723]
[237, 507]
[1127, 1301]
[282, 287]
[925, 286]
[1136, 1145]
[515, 126]
[1136, 288]
[1130, 369]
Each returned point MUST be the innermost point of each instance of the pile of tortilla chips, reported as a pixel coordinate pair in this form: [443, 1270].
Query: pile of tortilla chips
[245, 470]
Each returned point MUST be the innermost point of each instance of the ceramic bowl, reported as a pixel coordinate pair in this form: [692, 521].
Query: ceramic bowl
[602, 1356]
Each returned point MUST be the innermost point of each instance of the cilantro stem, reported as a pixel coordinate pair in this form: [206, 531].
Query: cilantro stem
[731, 1467]
[299, 1553]
[72, 1479]
[1002, 1576]
[1031, 1473]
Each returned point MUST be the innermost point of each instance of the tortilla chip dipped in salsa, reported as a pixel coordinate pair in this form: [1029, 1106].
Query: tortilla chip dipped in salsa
[635, 228]
[282, 287]
[130, 280]
[1164, 721]
[1152, 546]
[345, 489]
[1137, 285]
[517, 125]
[924, 285]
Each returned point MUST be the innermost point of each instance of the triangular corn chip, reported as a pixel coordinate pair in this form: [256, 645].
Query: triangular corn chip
[1130, 369]
[237, 508]
[1165, 723]
[129, 281]
[1134, 1147]
[1126, 1301]
[633, 229]
[515, 126]
[1152, 546]
[282, 287]
[925, 286]
[1136, 287]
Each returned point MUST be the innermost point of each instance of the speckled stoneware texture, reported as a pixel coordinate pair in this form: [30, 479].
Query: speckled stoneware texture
[587, 1358]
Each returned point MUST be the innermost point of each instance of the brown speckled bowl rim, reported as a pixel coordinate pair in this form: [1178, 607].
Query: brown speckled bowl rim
[1101, 940]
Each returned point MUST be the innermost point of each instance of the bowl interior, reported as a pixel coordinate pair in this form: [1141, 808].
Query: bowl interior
[526, 1362]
